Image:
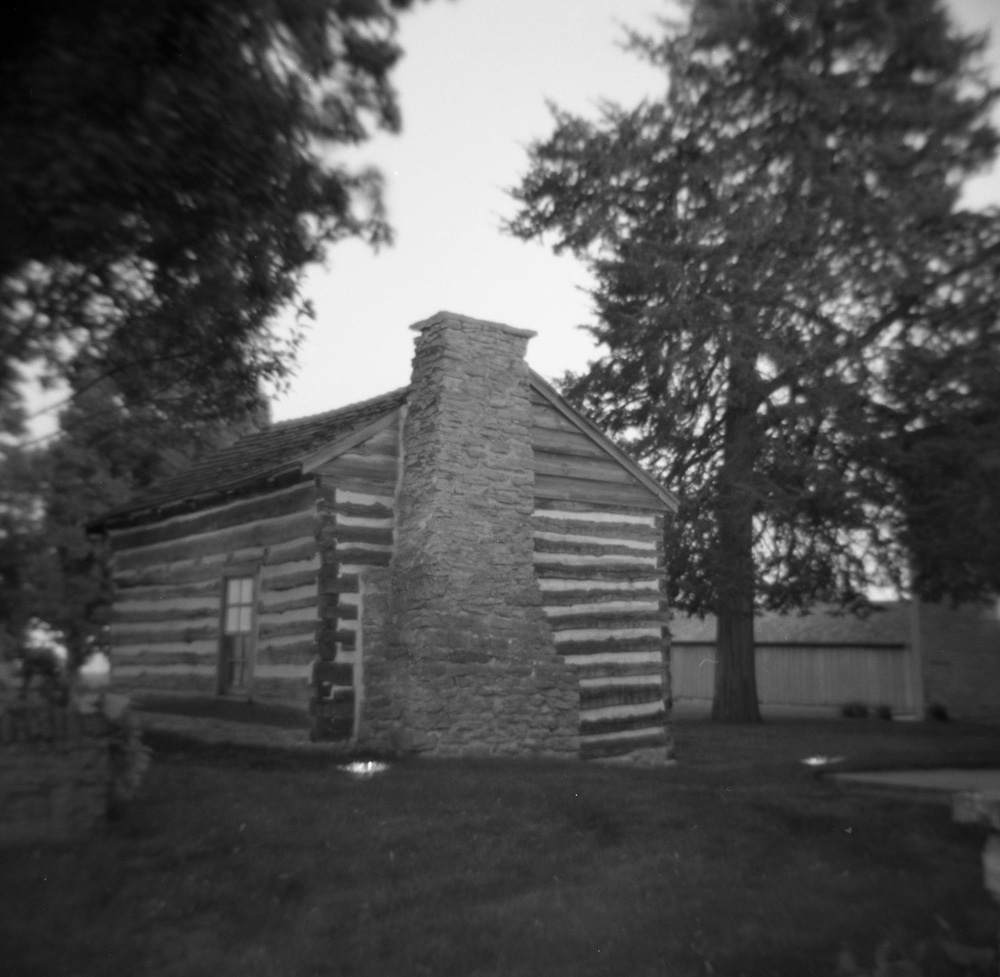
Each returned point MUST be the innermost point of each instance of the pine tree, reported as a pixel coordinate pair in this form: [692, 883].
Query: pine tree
[776, 244]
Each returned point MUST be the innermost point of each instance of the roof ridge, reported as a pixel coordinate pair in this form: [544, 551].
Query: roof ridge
[329, 414]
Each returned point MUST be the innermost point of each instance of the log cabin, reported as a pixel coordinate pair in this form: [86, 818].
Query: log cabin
[466, 566]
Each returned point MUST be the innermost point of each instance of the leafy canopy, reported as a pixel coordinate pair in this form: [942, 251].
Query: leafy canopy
[165, 177]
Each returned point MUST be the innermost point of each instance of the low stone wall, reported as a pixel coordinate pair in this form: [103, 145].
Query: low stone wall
[55, 773]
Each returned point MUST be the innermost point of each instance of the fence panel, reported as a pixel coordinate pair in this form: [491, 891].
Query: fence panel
[807, 676]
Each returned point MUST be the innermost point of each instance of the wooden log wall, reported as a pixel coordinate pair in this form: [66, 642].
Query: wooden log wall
[357, 490]
[599, 561]
[600, 576]
[169, 586]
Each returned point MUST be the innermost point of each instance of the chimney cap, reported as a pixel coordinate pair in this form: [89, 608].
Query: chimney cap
[469, 320]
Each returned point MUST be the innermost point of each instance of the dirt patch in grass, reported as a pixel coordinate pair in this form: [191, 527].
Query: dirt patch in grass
[247, 862]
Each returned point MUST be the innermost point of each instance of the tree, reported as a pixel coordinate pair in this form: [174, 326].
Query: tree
[103, 454]
[776, 245]
[165, 178]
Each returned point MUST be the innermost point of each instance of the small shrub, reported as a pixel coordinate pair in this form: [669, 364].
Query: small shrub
[883, 711]
[854, 710]
[130, 756]
[936, 713]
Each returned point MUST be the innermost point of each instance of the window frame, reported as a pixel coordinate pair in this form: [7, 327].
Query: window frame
[249, 572]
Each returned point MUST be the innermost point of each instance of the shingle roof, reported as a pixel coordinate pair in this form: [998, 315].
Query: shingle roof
[277, 455]
[273, 454]
[888, 623]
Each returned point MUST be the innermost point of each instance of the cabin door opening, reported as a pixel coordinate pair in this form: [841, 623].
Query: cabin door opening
[236, 646]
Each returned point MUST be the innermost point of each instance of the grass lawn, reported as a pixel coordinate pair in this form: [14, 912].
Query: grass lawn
[737, 861]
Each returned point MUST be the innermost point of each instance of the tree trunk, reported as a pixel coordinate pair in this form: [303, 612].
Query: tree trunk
[735, 699]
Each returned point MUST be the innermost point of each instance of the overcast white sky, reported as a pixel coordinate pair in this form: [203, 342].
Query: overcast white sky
[473, 87]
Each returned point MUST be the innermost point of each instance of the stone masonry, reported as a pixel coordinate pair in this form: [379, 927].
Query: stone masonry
[55, 773]
[457, 657]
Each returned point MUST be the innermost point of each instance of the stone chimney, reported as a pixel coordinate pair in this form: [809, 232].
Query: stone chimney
[458, 657]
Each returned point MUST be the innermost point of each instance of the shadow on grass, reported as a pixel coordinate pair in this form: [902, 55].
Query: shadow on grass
[253, 862]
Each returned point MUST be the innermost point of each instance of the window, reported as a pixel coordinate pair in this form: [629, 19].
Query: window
[236, 643]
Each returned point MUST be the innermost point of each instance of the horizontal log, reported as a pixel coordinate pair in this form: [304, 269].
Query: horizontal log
[291, 604]
[565, 544]
[374, 470]
[346, 640]
[282, 502]
[545, 416]
[597, 561]
[556, 599]
[160, 671]
[373, 510]
[297, 651]
[204, 647]
[383, 442]
[360, 534]
[553, 586]
[273, 579]
[561, 440]
[125, 613]
[269, 599]
[593, 697]
[598, 571]
[650, 658]
[634, 632]
[593, 748]
[607, 671]
[621, 723]
[605, 470]
[618, 621]
[156, 680]
[265, 533]
[610, 646]
[292, 671]
[606, 609]
[341, 696]
[542, 523]
[287, 690]
[560, 488]
[347, 612]
[274, 629]
[145, 656]
[363, 558]
[366, 496]
[364, 522]
[599, 510]
[134, 636]
[339, 585]
[189, 572]
[206, 588]
[296, 551]
[334, 673]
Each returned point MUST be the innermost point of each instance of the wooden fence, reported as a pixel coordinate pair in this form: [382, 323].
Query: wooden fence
[815, 677]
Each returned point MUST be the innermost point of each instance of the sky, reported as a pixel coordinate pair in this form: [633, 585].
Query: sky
[473, 86]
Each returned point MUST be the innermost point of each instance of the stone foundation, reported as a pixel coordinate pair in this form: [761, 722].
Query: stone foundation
[55, 773]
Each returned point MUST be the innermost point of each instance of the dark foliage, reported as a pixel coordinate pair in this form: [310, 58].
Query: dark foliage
[799, 320]
[166, 176]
